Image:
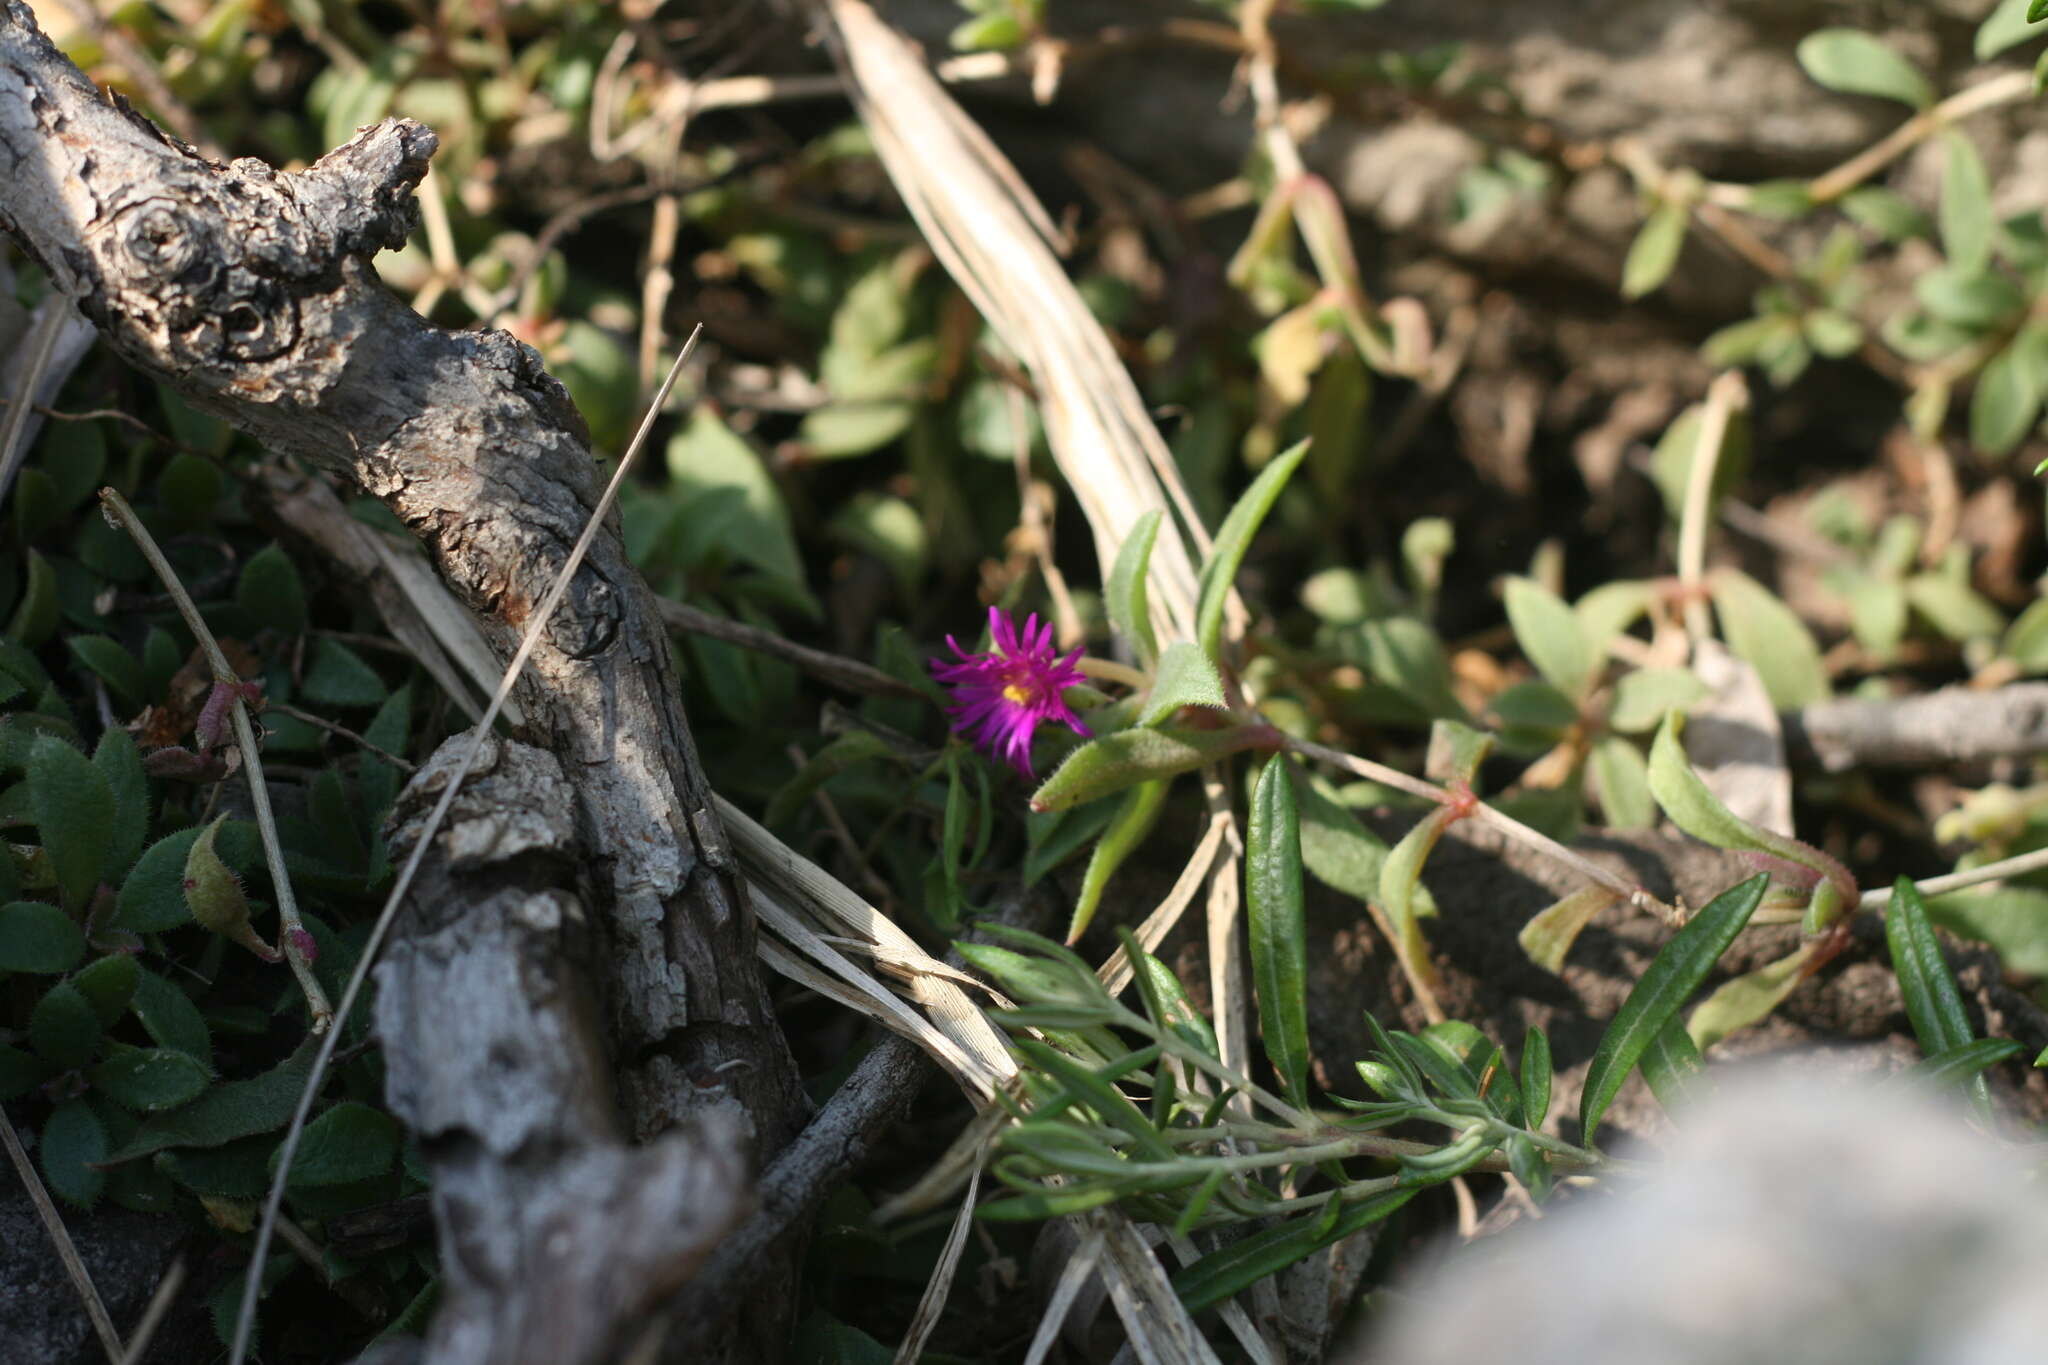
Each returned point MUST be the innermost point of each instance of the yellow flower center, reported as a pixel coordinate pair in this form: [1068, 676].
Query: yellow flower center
[1017, 693]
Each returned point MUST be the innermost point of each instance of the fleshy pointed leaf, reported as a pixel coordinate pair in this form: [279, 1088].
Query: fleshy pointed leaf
[1693, 808]
[1114, 762]
[1739, 1003]
[1220, 571]
[1134, 819]
[1933, 1002]
[1672, 1066]
[1402, 870]
[1623, 781]
[1277, 917]
[1767, 634]
[1672, 976]
[1536, 1075]
[1654, 252]
[1964, 212]
[1126, 596]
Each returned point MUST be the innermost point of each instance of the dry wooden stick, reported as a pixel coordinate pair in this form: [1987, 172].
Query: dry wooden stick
[293, 937]
[67, 1250]
[153, 1316]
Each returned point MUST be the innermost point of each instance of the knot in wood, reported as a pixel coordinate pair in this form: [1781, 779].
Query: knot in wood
[192, 290]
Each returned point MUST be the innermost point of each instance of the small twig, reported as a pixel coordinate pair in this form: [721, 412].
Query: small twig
[44, 342]
[406, 766]
[480, 736]
[1878, 897]
[849, 674]
[659, 283]
[1485, 815]
[143, 72]
[153, 1316]
[103, 414]
[2006, 89]
[67, 1252]
[293, 929]
[848, 845]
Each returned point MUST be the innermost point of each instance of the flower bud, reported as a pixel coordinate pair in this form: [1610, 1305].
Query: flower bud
[214, 893]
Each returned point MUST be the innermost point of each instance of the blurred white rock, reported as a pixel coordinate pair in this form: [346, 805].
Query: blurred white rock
[1793, 1222]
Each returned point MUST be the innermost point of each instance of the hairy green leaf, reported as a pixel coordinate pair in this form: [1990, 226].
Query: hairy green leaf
[74, 1143]
[1184, 677]
[147, 1079]
[1112, 763]
[73, 809]
[350, 1142]
[39, 938]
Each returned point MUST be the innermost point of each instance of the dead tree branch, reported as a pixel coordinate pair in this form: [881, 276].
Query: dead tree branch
[251, 292]
[1953, 725]
[556, 1236]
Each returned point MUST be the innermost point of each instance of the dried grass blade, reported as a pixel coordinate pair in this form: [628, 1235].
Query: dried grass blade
[1079, 1266]
[1156, 1323]
[1116, 972]
[153, 1316]
[934, 1301]
[773, 864]
[993, 238]
[872, 998]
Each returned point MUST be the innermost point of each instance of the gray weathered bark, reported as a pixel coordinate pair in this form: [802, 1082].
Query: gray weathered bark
[556, 1237]
[251, 292]
[1953, 725]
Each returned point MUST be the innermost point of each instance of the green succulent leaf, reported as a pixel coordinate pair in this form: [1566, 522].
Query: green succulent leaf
[1115, 762]
[1654, 253]
[1233, 540]
[1672, 976]
[1536, 1077]
[1134, 819]
[1933, 1002]
[1126, 596]
[1278, 920]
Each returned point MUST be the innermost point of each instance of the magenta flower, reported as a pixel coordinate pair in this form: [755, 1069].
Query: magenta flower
[1000, 697]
